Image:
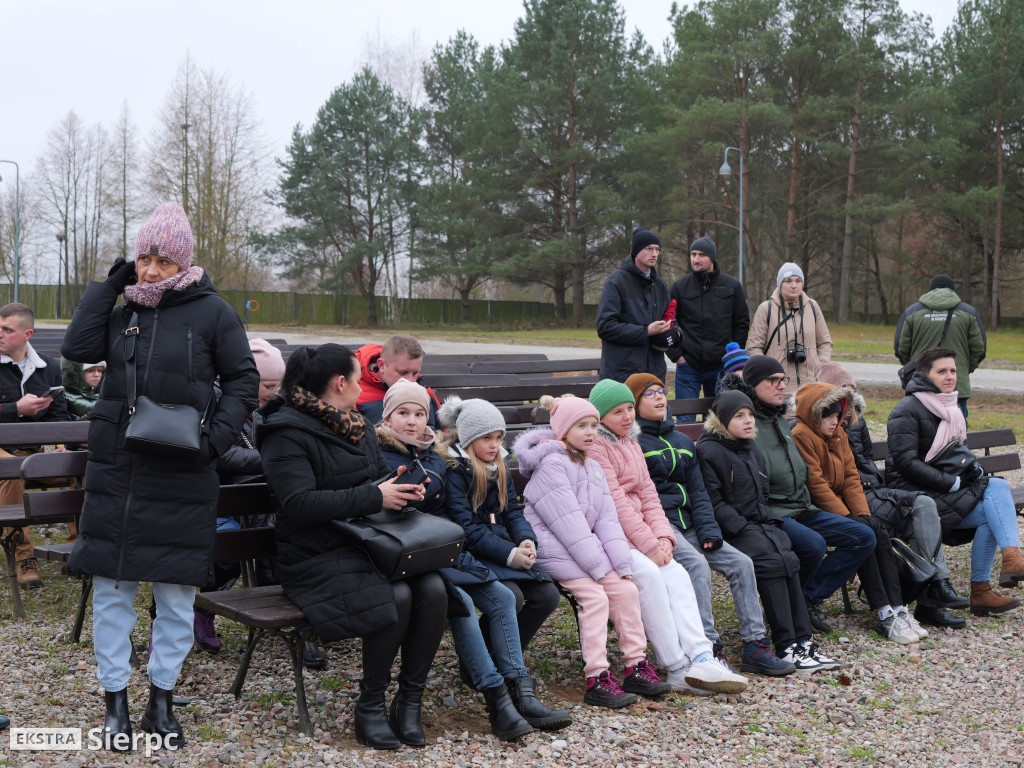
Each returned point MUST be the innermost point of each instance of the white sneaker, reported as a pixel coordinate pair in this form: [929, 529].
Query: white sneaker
[678, 682]
[711, 675]
[908, 617]
[896, 629]
[796, 655]
[812, 651]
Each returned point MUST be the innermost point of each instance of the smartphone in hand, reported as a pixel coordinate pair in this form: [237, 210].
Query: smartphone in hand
[53, 391]
[414, 474]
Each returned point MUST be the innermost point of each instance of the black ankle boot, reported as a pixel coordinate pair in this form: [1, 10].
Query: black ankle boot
[941, 593]
[117, 724]
[159, 718]
[506, 723]
[372, 728]
[524, 697]
[405, 719]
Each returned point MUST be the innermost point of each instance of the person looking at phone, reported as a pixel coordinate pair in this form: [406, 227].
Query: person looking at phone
[26, 380]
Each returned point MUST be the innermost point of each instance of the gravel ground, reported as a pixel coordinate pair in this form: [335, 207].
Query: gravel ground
[954, 699]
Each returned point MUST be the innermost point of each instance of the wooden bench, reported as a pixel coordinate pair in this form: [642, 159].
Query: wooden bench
[262, 610]
[40, 469]
[993, 463]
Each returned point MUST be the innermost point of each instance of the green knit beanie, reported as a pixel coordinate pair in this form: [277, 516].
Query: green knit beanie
[608, 393]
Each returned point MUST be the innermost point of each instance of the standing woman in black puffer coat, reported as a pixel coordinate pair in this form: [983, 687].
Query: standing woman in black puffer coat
[321, 459]
[145, 517]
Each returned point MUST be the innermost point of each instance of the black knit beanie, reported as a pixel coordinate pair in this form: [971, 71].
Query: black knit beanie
[941, 281]
[759, 368]
[705, 245]
[727, 403]
[641, 239]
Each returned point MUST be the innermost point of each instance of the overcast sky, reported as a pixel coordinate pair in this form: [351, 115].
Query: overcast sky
[91, 56]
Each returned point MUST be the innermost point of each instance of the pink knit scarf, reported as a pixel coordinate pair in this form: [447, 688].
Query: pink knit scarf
[952, 425]
[149, 294]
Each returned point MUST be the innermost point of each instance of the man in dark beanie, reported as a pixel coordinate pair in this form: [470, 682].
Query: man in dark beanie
[631, 311]
[811, 530]
[711, 309]
[940, 319]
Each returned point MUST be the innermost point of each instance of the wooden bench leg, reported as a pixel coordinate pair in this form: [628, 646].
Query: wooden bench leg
[83, 602]
[296, 646]
[847, 605]
[12, 567]
[243, 667]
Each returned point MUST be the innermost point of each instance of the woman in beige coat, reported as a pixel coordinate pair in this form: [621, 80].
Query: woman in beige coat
[791, 328]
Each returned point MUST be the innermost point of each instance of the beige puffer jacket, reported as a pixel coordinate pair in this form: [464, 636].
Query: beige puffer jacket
[806, 326]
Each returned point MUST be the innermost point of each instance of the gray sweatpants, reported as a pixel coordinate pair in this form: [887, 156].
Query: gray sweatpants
[737, 568]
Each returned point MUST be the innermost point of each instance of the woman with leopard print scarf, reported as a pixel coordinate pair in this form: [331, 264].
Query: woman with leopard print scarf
[321, 460]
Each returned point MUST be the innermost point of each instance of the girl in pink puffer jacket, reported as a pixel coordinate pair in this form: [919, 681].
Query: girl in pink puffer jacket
[581, 545]
[668, 605]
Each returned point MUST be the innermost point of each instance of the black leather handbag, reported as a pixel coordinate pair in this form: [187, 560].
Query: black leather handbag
[911, 566]
[171, 431]
[955, 458]
[406, 542]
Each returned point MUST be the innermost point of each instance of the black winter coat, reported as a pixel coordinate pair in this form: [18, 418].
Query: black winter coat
[47, 374]
[737, 482]
[147, 518]
[491, 535]
[711, 309]
[911, 432]
[672, 462]
[241, 463]
[315, 477]
[630, 301]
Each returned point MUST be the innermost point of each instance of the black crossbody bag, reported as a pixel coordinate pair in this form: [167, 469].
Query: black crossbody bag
[171, 431]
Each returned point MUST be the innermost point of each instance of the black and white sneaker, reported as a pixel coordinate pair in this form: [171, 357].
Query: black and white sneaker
[812, 652]
[796, 654]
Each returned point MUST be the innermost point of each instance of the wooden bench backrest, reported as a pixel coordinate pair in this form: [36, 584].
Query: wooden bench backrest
[538, 366]
[43, 432]
[521, 393]
[983, 439]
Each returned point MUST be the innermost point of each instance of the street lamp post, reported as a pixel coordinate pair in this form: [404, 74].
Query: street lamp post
[17, 223]
[60, 241]
[725, 170]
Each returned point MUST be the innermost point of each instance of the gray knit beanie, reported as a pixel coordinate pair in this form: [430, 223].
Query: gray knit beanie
[789, 269]
[471, 419]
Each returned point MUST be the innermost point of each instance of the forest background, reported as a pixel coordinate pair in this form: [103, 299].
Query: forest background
[874, 154]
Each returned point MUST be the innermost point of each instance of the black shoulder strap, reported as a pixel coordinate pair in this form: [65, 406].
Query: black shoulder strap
[782, 322]
[945, 328]
[131, 334]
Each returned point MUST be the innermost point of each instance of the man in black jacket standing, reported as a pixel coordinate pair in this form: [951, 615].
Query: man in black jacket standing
[711, 309]
[27, 393]
[629, 315]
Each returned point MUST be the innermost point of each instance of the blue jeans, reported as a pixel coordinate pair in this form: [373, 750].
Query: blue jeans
[114, 616]
[996, 520]
[498, 603]
[851, 541]
[689, 382]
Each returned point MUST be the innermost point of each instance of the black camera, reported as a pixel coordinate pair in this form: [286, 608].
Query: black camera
[796, 354]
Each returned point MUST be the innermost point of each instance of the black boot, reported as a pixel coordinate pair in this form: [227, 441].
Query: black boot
[159, 718]
[312, 656]
[405, 717]
[506, 723]
[117, 724]
[372, 729]
[937, 616]
[941, 593]
[524, 697]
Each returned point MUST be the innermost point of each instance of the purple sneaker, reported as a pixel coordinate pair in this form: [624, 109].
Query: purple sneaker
[643, 679]
[604, 691]
[206, 634]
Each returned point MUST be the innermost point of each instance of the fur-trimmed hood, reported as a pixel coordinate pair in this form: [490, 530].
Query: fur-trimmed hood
[532, 446]
[714, 428]
[611, 437]
[813, 399]
[388, 440]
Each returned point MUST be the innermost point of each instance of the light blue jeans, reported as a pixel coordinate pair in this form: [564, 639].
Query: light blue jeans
[114, 617]
[737, 568]
[504, 660]
[996, 520]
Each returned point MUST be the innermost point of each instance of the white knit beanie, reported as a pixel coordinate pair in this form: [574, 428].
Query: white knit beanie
[471, 419]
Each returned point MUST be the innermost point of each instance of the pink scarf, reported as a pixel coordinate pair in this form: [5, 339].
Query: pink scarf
[952, 425]
[422, 443]
[149, 294]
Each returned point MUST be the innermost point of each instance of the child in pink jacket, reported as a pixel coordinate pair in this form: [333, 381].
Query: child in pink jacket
[581, 545]
[668, 604]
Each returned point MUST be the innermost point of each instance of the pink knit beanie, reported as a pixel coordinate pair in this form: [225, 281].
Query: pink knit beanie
[269, 361]
[567, 411]
[405, 391]
[167, 233]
